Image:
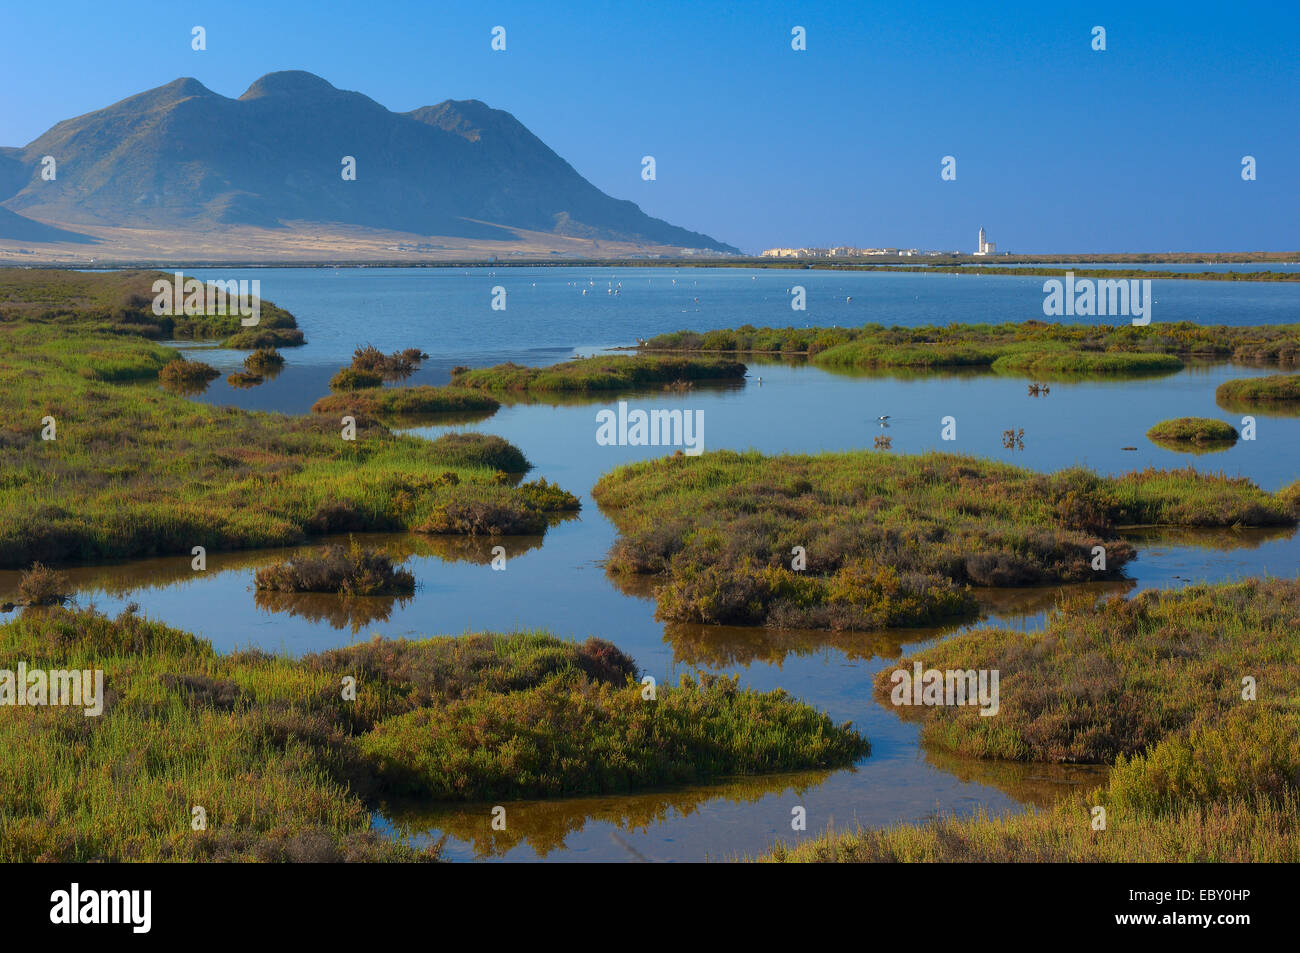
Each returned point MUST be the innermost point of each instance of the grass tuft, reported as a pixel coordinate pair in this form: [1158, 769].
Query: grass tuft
[355, 571]
[1244, 393]
[42, 586]
[596, 374]
[1192, 430]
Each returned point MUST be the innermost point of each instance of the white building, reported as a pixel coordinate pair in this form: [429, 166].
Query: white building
[986, 247]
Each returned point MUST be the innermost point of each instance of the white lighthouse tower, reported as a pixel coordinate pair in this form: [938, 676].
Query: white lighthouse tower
[985, 246]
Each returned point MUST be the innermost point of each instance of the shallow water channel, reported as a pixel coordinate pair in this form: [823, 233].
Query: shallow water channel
[557, 582]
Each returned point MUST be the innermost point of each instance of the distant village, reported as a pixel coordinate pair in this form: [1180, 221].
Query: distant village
[846, 251]
[983, 247]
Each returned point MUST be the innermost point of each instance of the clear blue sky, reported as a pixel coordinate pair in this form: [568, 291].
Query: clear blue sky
[1058, 147]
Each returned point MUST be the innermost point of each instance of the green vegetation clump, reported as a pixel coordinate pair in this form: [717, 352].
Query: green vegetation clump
[1073, 348]
[255, 740]
[355, 571]
[1193, 430]
[121, 303]
[1048, 363]
[183, 375]
[1259, 391]
[349, 378]
[370, 367]
[472, 391]
[1034, 360]
[391, 367]
[594, 374]
[518, 745]
[480, 450]
[264, 359]
[1234, 831]
[286, 769]
[43, 586]
[888, 541]
[244, 379]
[261, 338]
[1110, 681]
[138, 471]
[396, 402]
[475, 518]
[864, 354]
[1206, 763]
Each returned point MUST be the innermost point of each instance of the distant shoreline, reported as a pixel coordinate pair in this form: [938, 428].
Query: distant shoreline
[968, 265]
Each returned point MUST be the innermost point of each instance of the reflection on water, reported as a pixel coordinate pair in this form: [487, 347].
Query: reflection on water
[1224, 539]
[243, 379]
[544, 826]
[128, 577]
[605, 398]
[937, 374]
[1260, 408]
[337, 611]
[1039, 785]
[1031, 602]
[968, 373]
[736, 817]
[728, 646]
[450, 418]
[186, 388]
[1196, 449]
[771, 359]
[562, 585]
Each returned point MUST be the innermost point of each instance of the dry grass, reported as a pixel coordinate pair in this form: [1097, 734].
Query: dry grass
[42, 586]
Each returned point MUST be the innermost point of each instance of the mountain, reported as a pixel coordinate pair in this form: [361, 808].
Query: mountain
[181, 157]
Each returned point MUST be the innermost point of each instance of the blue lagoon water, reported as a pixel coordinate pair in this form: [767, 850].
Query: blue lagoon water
[558, 582]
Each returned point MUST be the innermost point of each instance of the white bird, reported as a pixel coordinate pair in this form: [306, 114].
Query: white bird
[883, 417]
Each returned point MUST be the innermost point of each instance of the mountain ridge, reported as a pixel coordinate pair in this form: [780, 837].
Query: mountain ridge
[181, 156]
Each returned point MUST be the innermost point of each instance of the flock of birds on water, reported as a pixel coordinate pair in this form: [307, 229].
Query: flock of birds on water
[615, 288]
